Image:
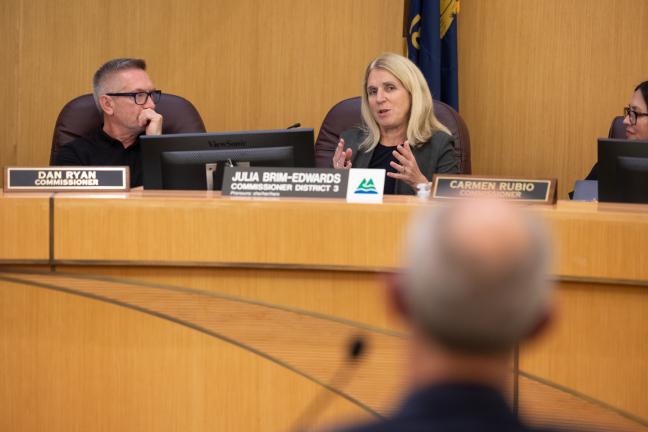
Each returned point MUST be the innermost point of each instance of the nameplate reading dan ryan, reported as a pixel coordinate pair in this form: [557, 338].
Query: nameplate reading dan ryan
[67, 179]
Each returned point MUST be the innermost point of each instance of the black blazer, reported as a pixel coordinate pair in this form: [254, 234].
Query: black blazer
[435, 156]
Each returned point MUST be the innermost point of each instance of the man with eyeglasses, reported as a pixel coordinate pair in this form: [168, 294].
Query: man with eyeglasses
[126, 97]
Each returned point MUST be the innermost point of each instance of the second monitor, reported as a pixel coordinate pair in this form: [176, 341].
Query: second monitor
[196, 161]
[622, 170]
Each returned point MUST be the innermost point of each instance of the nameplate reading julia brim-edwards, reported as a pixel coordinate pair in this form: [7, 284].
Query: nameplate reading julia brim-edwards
[448, 186]
[67, 179]
[356, 185]
[284, 182]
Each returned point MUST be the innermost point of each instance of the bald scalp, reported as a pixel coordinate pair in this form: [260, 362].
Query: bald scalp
[476, 275]
[489, 239]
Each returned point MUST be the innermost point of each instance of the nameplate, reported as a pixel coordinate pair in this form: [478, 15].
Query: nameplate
[285, 182]
[356, 185]
[447, 186]
[67, 179]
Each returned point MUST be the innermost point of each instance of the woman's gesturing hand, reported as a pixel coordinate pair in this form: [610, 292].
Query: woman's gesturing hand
[407, 170]
[342, 157]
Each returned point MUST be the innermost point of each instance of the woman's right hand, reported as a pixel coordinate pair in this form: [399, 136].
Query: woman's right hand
[342, 157]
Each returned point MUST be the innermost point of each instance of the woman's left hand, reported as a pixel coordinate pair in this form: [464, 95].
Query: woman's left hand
[407, 169]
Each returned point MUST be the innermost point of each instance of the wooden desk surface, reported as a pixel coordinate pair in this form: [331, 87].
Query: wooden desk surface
[205, 229]
[593, 241]
[24, 227]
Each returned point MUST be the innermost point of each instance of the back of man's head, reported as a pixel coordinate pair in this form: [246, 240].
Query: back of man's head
[101, 79]
[476, 275]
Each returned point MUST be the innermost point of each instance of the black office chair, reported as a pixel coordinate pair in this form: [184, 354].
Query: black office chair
[617, 128]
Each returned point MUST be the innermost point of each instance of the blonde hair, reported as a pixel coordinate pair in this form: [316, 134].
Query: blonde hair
[422, 123]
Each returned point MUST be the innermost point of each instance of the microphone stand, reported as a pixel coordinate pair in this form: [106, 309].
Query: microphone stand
[340, 378]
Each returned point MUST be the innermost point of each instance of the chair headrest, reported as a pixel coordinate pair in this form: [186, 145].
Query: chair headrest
[617, 128]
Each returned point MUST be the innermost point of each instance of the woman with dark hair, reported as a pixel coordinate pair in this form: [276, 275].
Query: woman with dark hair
[635, 120]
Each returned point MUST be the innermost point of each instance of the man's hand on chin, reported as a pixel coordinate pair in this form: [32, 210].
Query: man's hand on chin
[150, 120]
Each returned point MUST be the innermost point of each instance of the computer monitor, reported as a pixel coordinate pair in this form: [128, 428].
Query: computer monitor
[623, 170]
[196, 161]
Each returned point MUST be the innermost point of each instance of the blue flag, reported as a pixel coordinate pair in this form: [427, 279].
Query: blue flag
[432, 45]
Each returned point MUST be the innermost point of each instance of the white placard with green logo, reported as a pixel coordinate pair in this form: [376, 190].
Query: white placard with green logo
[358, 185]
[365, 185]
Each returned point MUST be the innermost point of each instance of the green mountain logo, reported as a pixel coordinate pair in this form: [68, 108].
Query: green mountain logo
[366, 187]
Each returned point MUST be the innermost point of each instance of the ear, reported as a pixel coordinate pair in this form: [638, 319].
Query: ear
[107, 104]
[395, 295]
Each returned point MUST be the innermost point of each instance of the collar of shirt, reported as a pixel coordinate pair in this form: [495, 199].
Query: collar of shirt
[103, 136]
[456, 399]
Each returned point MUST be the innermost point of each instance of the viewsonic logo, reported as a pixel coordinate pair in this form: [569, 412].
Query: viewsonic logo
[366, 187]
[225, 144]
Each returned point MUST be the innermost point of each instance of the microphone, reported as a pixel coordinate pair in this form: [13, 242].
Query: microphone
[355, 350]
[294, 125]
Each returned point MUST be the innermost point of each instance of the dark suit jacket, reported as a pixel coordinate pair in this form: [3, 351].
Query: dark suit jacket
[451, 407]
[435, 156]
[593, 175]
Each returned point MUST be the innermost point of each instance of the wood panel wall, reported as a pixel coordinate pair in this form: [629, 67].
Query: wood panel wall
[541, 80]
[245, 64]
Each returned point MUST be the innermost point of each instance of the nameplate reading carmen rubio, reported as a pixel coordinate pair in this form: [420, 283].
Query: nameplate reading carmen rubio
[67, 179]
[448, 186]
[285, 182]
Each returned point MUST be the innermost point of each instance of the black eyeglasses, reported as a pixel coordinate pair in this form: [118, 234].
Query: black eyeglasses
[629, 112]
[140, 98]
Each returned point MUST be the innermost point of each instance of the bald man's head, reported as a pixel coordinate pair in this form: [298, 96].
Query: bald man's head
[476, 274]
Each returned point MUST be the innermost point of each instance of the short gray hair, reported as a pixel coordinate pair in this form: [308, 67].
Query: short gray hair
[107, 70]
[469, 299]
